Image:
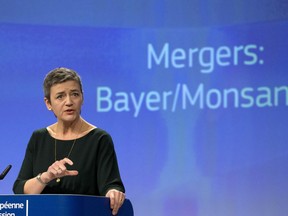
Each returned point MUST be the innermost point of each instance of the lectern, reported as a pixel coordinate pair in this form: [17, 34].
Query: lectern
[56, 205]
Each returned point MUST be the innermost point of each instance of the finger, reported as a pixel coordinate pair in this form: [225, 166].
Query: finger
[67, 160]
[55, 166]
[114, 203]
[112, 199]
[58, 169]
[71, 173]
[122, 199]
[115, 210]
[61, 168]
[53, 169]
[116, 200]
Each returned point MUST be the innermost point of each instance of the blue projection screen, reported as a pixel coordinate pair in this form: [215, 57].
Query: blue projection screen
[198, 115]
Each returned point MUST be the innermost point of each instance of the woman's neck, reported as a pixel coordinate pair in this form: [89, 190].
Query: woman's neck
[69, 130]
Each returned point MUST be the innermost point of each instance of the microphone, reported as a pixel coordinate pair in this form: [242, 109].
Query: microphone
[4, 173]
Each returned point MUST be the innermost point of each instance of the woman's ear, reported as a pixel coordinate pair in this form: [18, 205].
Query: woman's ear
[48, 104]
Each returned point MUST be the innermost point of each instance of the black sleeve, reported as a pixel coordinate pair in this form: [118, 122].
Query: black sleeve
[108, 175]
[26, 171]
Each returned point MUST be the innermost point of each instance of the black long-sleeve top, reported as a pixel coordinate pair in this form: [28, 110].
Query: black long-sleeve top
[93, 156]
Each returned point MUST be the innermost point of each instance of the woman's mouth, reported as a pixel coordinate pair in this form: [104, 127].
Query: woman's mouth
[69, 111]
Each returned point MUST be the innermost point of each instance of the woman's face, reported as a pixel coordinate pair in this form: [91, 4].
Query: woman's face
[66, 100]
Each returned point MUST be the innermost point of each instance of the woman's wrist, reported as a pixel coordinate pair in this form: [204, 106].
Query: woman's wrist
[39, 179]
[43, 178]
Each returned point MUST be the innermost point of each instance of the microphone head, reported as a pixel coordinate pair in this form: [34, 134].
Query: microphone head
[4, 173]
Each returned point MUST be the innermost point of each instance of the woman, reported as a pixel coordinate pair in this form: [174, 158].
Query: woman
[71, 156]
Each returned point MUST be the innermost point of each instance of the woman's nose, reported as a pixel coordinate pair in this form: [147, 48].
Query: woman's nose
[68, 101]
